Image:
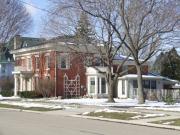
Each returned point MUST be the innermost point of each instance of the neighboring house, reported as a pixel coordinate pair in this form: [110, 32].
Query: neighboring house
[62, 61]
[6, 63]
[127, 84]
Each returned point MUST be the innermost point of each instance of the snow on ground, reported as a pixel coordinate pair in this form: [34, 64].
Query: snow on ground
[168, 123]
[97, 102]
[138, 114]
[8, 98]
[173, 108]
[148, 116]
[153, 105]
[108, 111]
[31, 104]
[121, 103]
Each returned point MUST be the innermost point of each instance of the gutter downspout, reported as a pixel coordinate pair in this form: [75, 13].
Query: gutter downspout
[55, 75]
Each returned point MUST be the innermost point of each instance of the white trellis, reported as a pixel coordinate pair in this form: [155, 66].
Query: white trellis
[71, 87]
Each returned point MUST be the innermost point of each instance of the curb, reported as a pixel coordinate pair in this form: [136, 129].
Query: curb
[21, 110]
[129, 122]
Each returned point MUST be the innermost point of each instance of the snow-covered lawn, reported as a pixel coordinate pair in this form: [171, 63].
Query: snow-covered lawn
[58, 103]
[120, 103]
[17, 101]
[8, 98]
[128, 115]
[31, 104]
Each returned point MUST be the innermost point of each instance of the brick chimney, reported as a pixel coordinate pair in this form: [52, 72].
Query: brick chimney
[17, 42]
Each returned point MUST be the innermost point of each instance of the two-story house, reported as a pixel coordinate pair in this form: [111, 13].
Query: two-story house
[63, 62]
[57, 60]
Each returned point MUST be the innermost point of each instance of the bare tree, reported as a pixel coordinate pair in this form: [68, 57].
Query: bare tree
[106, 43]
[14, 19]
[144, 23]
[138, 25]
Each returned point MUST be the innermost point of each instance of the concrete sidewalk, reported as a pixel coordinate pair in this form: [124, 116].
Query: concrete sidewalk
[74, 112]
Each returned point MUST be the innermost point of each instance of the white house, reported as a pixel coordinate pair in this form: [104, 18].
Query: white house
[127, 84]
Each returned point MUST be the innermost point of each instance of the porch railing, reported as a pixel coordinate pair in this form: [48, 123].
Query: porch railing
[159, 94]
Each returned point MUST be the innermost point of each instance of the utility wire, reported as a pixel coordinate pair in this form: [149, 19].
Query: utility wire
[42, 9]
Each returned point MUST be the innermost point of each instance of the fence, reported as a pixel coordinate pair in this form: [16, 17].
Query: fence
[159, 94]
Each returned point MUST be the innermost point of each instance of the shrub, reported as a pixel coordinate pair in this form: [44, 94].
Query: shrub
[169, 99]
[7, 83]
[46, 87]
[7, 93]
[29, 94]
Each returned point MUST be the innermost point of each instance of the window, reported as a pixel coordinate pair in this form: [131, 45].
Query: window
[3, 69]
[103, 85]
[64, 61]
[123, 87]
[47, 62]
[92, 85]
[36, 83]
[135, 84]
[37, 62]
[29, 62]
[146, 84]
[23, 61]
[153, 84]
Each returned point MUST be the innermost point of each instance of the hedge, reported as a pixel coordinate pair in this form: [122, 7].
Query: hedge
[29, 94]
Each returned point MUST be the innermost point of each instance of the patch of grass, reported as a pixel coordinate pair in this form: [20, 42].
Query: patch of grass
[29, 108]
[173, 122]
[113, 115]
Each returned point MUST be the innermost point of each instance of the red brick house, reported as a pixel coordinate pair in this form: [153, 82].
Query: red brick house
[53, 60]
[62, 62]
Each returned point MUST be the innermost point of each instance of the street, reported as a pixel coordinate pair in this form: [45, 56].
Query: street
[26, 123]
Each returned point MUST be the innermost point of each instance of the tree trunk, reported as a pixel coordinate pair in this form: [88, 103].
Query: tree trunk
[140, 85]
[110, 85]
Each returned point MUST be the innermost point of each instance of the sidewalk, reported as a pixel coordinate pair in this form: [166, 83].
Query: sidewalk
[143, 122]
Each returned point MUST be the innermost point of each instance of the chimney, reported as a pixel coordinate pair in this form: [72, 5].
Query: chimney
[17, 42]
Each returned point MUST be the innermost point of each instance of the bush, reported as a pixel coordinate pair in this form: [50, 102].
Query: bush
[7, 83]
[7, 93]
[46, 87]
[29, 94]
[169, 99]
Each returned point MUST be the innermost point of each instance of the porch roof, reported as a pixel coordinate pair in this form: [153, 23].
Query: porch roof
[150, 77]
[134, 76]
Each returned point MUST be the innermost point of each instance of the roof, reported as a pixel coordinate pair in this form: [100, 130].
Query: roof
[149, 76]
[5, 56]
[123, 57]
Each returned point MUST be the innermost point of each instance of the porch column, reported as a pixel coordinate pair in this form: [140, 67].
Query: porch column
[21, 82]
[100, 87]
[15, 84]
[96, 85]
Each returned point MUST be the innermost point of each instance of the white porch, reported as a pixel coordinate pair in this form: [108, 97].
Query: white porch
[23, 80]
[127, 85]
[96, 82]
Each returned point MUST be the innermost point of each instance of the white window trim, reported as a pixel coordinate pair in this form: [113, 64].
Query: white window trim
[28, 66]
[46, 64]
[37, 69]
[67, 57]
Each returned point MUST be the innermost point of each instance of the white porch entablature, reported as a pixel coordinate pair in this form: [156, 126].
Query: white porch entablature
[97, 70]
